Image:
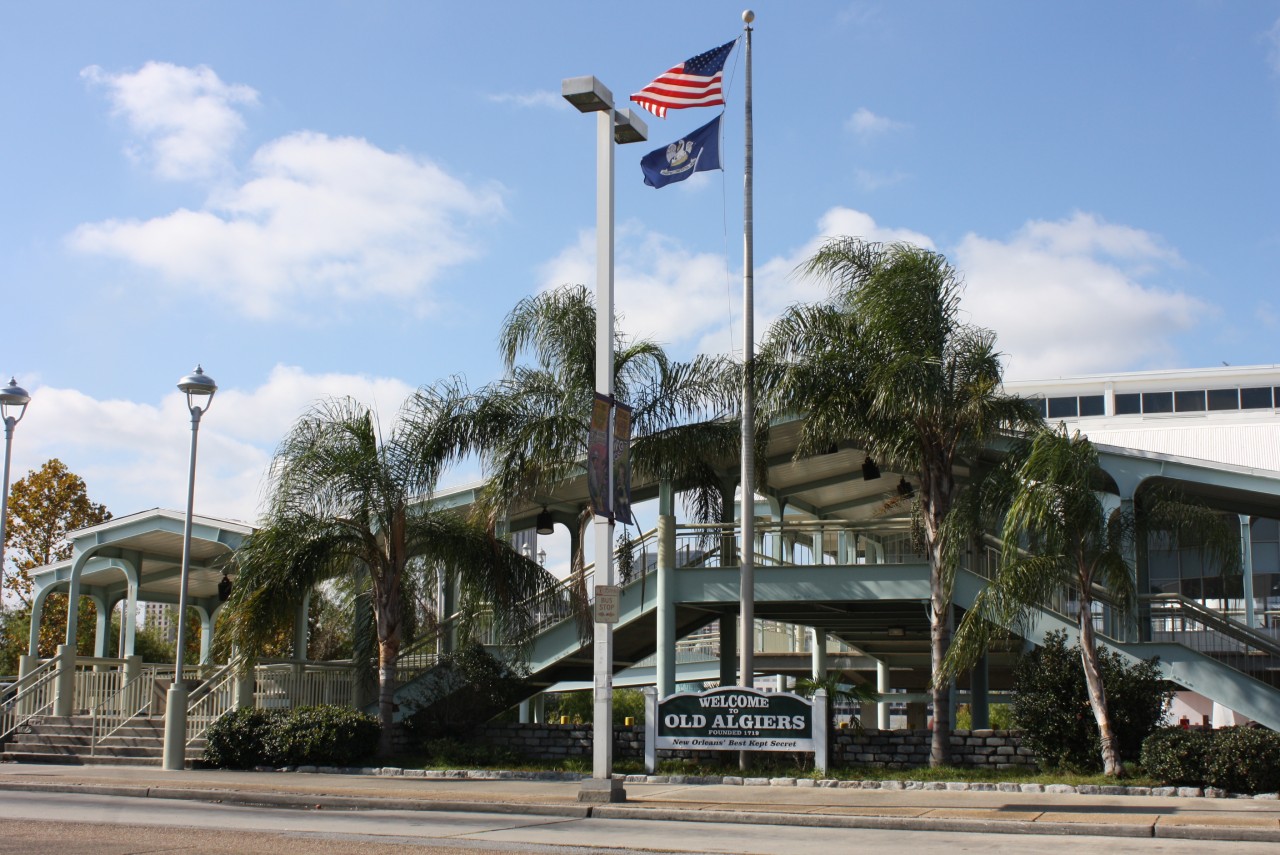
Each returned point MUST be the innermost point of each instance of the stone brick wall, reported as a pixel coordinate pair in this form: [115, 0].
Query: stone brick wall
[890, 749]
[908, 749]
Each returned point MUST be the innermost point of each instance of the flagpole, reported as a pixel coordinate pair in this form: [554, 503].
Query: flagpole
[746, 615]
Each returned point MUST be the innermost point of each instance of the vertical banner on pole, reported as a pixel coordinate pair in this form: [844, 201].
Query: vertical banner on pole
[598, 457]
[622, 464]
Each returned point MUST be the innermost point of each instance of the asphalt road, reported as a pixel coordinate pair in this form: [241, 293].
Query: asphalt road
[74, 824]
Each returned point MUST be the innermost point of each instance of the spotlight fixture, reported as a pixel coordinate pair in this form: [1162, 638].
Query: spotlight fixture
[870, 471]
[905, 490]
[546, 525]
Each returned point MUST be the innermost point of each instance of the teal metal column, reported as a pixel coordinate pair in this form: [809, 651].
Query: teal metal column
[1137, 624]
[1246, 569]
[818, 652]
[729, 650]
[882, 686]
[666, 629]
[100, 625]
[979, 703]
[206, 633]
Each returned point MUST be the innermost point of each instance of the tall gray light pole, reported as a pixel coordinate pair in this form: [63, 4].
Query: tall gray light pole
[589, 95]
[199, 388]
[13, 406]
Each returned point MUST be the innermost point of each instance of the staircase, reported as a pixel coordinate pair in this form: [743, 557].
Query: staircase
[69, 740]
[558, 651]
[1196, 648]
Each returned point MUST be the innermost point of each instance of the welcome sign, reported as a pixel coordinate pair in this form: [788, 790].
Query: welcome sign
[736, 718]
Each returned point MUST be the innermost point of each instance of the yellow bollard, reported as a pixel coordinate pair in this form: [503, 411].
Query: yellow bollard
[629, 721]
[564, 719]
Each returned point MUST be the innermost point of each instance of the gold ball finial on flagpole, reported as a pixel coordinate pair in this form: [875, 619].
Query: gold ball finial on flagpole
[748, 16]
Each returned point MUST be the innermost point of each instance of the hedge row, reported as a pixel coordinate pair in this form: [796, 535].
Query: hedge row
[303, 736]
[1236, 759]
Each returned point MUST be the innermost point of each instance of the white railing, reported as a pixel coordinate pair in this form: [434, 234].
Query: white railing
[29, 697]
[284, 685]
[796, 543]
[134, 698]
[97, 679]
[214, 698]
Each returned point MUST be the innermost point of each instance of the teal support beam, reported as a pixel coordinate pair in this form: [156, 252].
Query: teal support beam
[729, 650]
[883, 687]
[1246, 570]
[37, 613]
[206, 633]
[100, 625]
[818, 653]
[979, 699]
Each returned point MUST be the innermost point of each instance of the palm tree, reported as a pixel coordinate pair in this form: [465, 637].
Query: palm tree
[532, 425]
[1058, 534]
[346, 500]
[887, 362]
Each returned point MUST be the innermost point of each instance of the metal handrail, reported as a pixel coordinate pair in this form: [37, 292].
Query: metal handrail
[1203, 629]
[208, 702]
[119, 698]
[1217, 621]
[27, 690]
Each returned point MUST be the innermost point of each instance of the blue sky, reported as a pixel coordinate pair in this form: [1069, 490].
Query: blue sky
[313, 198]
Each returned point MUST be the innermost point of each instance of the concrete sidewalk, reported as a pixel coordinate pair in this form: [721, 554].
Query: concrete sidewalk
[917, 809]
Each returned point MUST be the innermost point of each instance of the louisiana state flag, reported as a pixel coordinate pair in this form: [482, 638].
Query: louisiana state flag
[698, 151]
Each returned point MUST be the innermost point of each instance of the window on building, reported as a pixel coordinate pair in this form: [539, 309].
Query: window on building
[1189, 402]
[1093, 405]
[1038, 403]
[1224, 399]
[1258, 398]
[1128, 404]
[1062, 408]
[1157, 402]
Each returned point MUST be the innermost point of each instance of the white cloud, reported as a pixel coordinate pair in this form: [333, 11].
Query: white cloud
[1067, 297]
[692, 301]
[319, 217]
[133, 455]
[866, 125]
[537, 99]
[1064, 297]
[186, 118]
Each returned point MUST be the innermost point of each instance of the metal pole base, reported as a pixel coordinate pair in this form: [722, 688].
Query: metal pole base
[175, 727]
[602, 791]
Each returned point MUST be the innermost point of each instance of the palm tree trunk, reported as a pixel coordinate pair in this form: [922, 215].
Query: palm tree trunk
[939, 641]
[387, 604]
[388, 652]
[1097, 694]
[935, 497]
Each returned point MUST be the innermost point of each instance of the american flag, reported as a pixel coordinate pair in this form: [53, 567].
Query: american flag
[693, 83]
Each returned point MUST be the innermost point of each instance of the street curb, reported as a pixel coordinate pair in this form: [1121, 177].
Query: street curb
[885, 823]
[300, 800]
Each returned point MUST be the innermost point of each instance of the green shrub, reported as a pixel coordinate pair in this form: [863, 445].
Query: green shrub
[322, 736]
[237, 739]
[304, 736]
[1051, 704]
[1177, 756]
[1244, 760]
